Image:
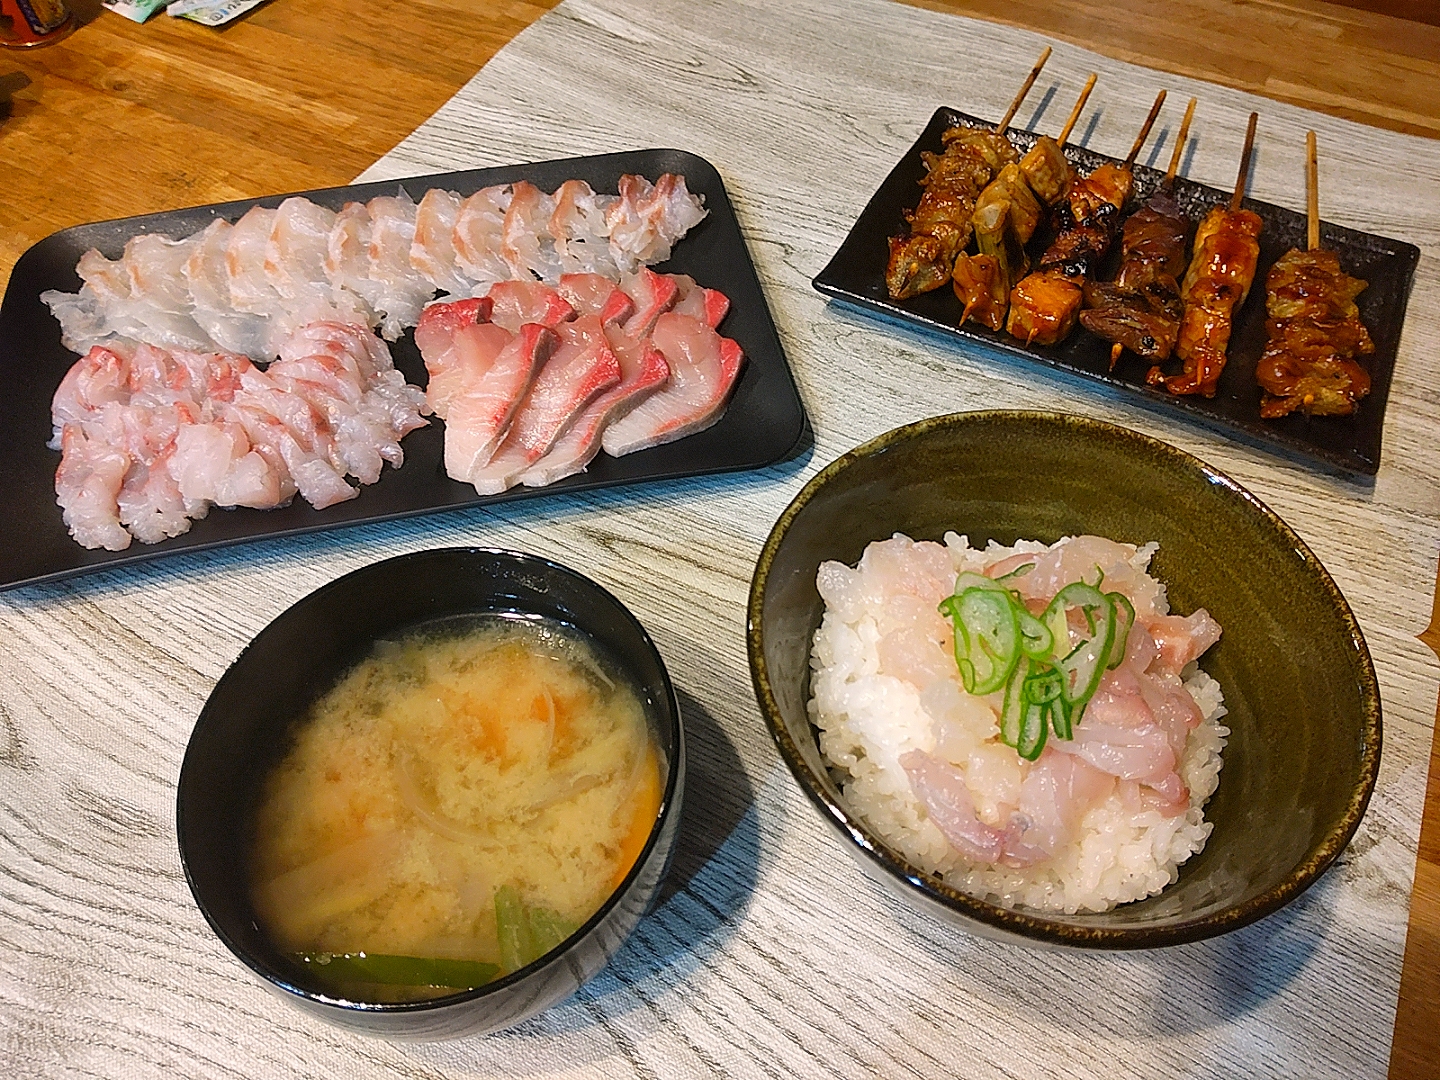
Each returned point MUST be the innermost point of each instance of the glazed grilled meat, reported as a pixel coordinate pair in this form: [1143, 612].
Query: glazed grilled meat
[1141, 309]
[1315, 334]
[940, 226]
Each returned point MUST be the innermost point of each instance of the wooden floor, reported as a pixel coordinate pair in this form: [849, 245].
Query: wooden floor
[121, 119]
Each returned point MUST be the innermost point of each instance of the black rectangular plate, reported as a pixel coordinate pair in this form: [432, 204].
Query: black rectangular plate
[1351, 443]
[765, 422]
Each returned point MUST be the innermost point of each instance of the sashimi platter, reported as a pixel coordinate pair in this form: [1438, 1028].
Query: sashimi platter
[210, 375]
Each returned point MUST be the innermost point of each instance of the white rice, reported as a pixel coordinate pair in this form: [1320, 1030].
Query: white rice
[867, 719]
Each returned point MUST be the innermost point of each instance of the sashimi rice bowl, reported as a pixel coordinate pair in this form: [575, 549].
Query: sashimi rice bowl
[1057, 682]
[1028, 722]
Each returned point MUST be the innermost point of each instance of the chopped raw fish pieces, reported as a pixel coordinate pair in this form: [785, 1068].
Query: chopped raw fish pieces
[151, 438]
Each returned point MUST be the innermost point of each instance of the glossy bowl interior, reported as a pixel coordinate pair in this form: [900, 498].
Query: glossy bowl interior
[241, 734]
[1304, 708]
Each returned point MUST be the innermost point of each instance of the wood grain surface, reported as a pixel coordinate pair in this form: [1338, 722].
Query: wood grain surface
[122, 119]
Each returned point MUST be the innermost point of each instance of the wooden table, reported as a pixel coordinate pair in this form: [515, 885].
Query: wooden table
[122, 119]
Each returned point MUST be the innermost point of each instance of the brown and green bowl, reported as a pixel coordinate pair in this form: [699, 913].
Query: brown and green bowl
[1304, 708]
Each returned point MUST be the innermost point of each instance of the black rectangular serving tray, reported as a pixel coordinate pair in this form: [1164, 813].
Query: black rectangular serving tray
[765, 422]
[856, 275]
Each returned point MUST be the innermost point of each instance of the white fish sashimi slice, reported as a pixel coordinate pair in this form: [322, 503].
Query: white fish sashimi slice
[295, 263]
[528, 246]
[156, 265]
[435, 338]
[495, 386]
[581, 230]
[515, 303]
[480, 236]
[648, 219]
[84, 322]
[216, 463]
[581, 367]
[250, 288]
[404, 290]
[108, 306]
[643, 371]
[208, 280]
[595, 294]
[704, 368]
[433, 250]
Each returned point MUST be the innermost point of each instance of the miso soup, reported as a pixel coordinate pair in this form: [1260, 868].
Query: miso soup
[455, 807]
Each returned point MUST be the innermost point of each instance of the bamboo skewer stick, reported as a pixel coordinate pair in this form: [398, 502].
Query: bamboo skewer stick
[1244, 173]
[1075, 112]
[1312, 193]
[1020, 97]
[1144, 132]
[1169, 180]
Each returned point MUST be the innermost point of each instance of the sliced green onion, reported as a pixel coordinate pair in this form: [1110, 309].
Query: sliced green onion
[517, 947]
[1014, 708]
[1060, 715]
[987, 638]
[338, 968]
[1124, 620]
[1042, 684]
[971, 580]
[1019, 571]
[1084, 664]
[1036, 641]
[1033, 728]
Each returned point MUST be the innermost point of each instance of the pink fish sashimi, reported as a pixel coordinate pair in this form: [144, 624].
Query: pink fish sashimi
[87, 487]
[643, 371]
[704, 368]
[250, 288]
[516, 303]
[435, 338]
[581, 231]
[594, 294]
[433, 249]
[710, 306]
[296, 248]
[653, 294]
[495, 384]
[582, 367]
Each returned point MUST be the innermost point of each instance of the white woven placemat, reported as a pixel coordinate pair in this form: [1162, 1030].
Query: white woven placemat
[773, 955]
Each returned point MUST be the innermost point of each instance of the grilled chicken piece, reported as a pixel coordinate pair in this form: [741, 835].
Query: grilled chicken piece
[982, 289]
[1315, 334]
[1141, 310]
[940, 226]
[1227, 247]
[1046, 170]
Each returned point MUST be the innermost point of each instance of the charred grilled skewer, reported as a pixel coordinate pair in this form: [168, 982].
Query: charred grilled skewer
[1044, 305]
[941, 226]
[1141, 309]
[1227, 247]
[1314, 329]
[1006, 216]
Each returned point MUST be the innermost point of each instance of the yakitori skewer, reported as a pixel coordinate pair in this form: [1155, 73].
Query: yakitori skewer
[1140, 310]
[1006, 216]
[1227, 247]
[1314, 330]
[940, 225]
[1044, 305]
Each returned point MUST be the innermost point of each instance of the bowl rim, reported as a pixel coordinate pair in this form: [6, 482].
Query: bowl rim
[1037, 928]
[668, 799]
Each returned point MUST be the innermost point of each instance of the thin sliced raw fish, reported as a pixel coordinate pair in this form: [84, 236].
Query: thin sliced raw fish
[87, 487]
[250, 288]
[433, 249]
[710, 306]
[581, 231]
[643, 371]
[209, 284]
[435, 338]
[704, 368]
[480, 236]
[581, 367]
[496, 383]
[528, 245]
[595, 294]
[405, 290]
[515, 303]
[652, 294]
[647, 219]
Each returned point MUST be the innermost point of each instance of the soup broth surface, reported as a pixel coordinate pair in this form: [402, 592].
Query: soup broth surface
[458, 804]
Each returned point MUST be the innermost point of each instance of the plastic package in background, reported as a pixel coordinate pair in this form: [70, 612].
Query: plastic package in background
[211, 12]
[134, 10]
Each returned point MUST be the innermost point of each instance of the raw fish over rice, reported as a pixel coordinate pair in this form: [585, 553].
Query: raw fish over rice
[1101, 817]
